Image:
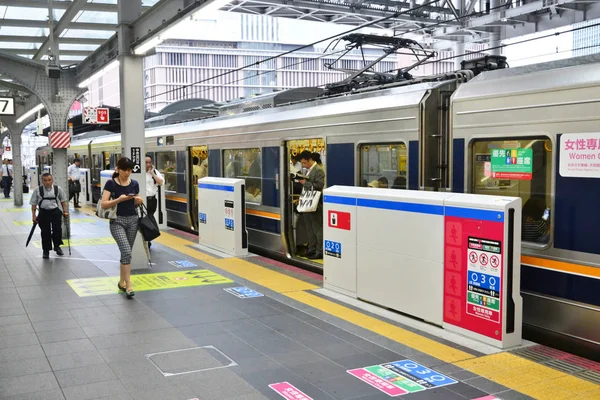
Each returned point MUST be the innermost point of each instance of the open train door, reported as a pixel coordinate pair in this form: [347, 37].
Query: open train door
[197, 169]
[295, 225]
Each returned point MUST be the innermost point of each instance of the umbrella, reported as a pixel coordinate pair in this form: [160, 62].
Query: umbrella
[31, 234]
[147, 249]
[68, 226]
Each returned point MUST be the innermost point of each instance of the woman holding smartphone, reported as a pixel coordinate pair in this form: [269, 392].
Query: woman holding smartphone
[124, 228]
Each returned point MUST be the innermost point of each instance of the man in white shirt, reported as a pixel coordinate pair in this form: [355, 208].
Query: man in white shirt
[7, 174]
[154, 179]
[74, 174]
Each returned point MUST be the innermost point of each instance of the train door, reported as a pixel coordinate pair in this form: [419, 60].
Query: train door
[300, 227]
[198, 169]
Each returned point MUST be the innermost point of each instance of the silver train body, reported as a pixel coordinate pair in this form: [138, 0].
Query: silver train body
[423, 136]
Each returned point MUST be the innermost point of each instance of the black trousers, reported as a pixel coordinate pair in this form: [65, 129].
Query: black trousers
[50, 225]
[7, 181]
[152, 204]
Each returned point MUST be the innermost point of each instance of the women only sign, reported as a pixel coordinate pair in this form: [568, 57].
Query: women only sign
[580, 155]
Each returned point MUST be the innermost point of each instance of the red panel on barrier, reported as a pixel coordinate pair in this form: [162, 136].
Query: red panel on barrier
[473, 275]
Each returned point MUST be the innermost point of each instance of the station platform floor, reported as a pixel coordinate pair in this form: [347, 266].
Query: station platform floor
[191, 333]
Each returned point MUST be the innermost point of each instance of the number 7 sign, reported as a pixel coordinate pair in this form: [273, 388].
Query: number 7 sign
[7, 106]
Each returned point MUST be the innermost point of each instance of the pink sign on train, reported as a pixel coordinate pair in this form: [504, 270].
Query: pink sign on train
[288, 391]
[377, 382]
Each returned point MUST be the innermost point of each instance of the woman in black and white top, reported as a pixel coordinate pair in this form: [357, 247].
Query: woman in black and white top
[124, 227]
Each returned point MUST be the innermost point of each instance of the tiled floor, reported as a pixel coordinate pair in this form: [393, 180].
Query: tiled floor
[57, 345]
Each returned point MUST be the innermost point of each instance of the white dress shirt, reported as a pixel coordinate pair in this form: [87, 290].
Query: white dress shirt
[151, 186]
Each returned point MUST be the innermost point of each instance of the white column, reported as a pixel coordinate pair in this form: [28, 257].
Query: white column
[459, 53]
[131, 89]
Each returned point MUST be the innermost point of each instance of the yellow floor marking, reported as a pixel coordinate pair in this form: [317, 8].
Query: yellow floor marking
[73, 221]
[528, 377]
[79, 242]
[144, 282]
[428, 346]
[16, 210]
[266, 277]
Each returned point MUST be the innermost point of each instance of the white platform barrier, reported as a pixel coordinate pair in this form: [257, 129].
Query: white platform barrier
[139, 259]
[161, 210]
[449, 259]
[85, 197]
[222, 215]
[34, 179]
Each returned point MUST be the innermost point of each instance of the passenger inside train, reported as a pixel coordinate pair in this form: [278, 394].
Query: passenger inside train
[535, 217]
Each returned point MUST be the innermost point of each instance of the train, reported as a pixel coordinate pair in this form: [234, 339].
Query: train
[440, 134]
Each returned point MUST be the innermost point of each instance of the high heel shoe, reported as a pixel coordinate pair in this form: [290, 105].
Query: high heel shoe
[130, 294]
[121, 288]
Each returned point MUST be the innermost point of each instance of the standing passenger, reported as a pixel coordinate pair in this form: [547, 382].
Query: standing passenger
[124, 228]
[154, 179]
[74, 174]
[7, 173]
[48, 198]
[314, 220]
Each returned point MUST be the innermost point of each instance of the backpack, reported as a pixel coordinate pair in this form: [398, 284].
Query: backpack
[41, 190]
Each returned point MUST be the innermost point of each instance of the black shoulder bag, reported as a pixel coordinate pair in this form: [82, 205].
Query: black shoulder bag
[147, 225]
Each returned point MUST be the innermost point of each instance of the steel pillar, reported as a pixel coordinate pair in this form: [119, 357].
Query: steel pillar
[459, 53]
[131, 73]
[494, 41]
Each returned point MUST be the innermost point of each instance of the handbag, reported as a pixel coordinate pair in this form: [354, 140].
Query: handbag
[106, 213]
[309, 201]
[74, 187]
[147, 225]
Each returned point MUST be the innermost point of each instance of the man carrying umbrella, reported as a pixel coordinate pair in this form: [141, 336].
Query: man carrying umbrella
[49, 198]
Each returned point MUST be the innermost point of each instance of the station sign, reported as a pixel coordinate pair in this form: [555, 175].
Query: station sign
[96, 116]
[7, 106]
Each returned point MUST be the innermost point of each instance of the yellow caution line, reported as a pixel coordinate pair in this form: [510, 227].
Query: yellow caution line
[507, 369]
[73, 221]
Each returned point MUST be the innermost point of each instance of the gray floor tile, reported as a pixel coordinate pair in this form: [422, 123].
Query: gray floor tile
[293, 358]
[49, 316]
[233, 347]
[94, 390]
[132, 369]
[462, 375]
[53, 394]
[262, 379]
[318, 371]
[16, 329]
[14, 320]
[345, 387]
[75, 360]
[335, 351]
[123, 396]
[435, 394]
[55, 324]
[24, 367]
[358, 360]
[84, 376]
[246, 365]
[61, 335]
[28, 384]
[466, 390]
[21, 353]
[269, 342]
[25, 339]
[67, 346]
[486, 385]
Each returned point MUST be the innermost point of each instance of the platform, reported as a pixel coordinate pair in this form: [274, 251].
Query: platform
[208, 327]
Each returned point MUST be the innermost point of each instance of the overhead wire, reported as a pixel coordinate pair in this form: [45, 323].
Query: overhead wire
[365, 25]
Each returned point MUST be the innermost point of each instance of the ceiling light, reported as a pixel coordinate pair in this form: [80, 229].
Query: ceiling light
[30, 113]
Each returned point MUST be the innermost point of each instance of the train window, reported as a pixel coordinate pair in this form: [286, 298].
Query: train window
[383, 165]
[520, 167]
[245, 164]
[166, 162]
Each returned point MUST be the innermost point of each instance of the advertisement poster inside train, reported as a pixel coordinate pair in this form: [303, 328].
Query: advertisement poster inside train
[580, 155]
[473, 268]
[512, 164]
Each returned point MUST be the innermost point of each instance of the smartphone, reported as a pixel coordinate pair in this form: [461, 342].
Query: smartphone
[131, 194]
[546, 214]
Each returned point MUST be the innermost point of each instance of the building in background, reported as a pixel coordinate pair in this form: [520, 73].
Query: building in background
[587, 40]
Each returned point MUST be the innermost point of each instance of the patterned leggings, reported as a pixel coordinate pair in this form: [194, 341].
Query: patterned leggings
[124, 230]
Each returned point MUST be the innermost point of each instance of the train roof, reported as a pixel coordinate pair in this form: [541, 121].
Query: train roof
[543, 77]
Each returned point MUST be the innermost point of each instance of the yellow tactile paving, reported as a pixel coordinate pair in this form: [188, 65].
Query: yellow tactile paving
[528, 377]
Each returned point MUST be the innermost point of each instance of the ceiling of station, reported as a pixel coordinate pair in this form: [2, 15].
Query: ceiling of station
[80, 25]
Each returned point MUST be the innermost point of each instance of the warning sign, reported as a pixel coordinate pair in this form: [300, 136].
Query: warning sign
[483, 291]
[339, 220]
[96, 116]
[145, 282]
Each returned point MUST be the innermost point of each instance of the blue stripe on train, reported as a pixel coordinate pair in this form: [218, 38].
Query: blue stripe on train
[559, 284]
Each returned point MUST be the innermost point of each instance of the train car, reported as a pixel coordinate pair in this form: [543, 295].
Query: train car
[522, 113]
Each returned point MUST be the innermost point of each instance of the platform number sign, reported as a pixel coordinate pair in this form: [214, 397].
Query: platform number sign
[7, 106]
[136, 157]
[202, 218]
[333, 249]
